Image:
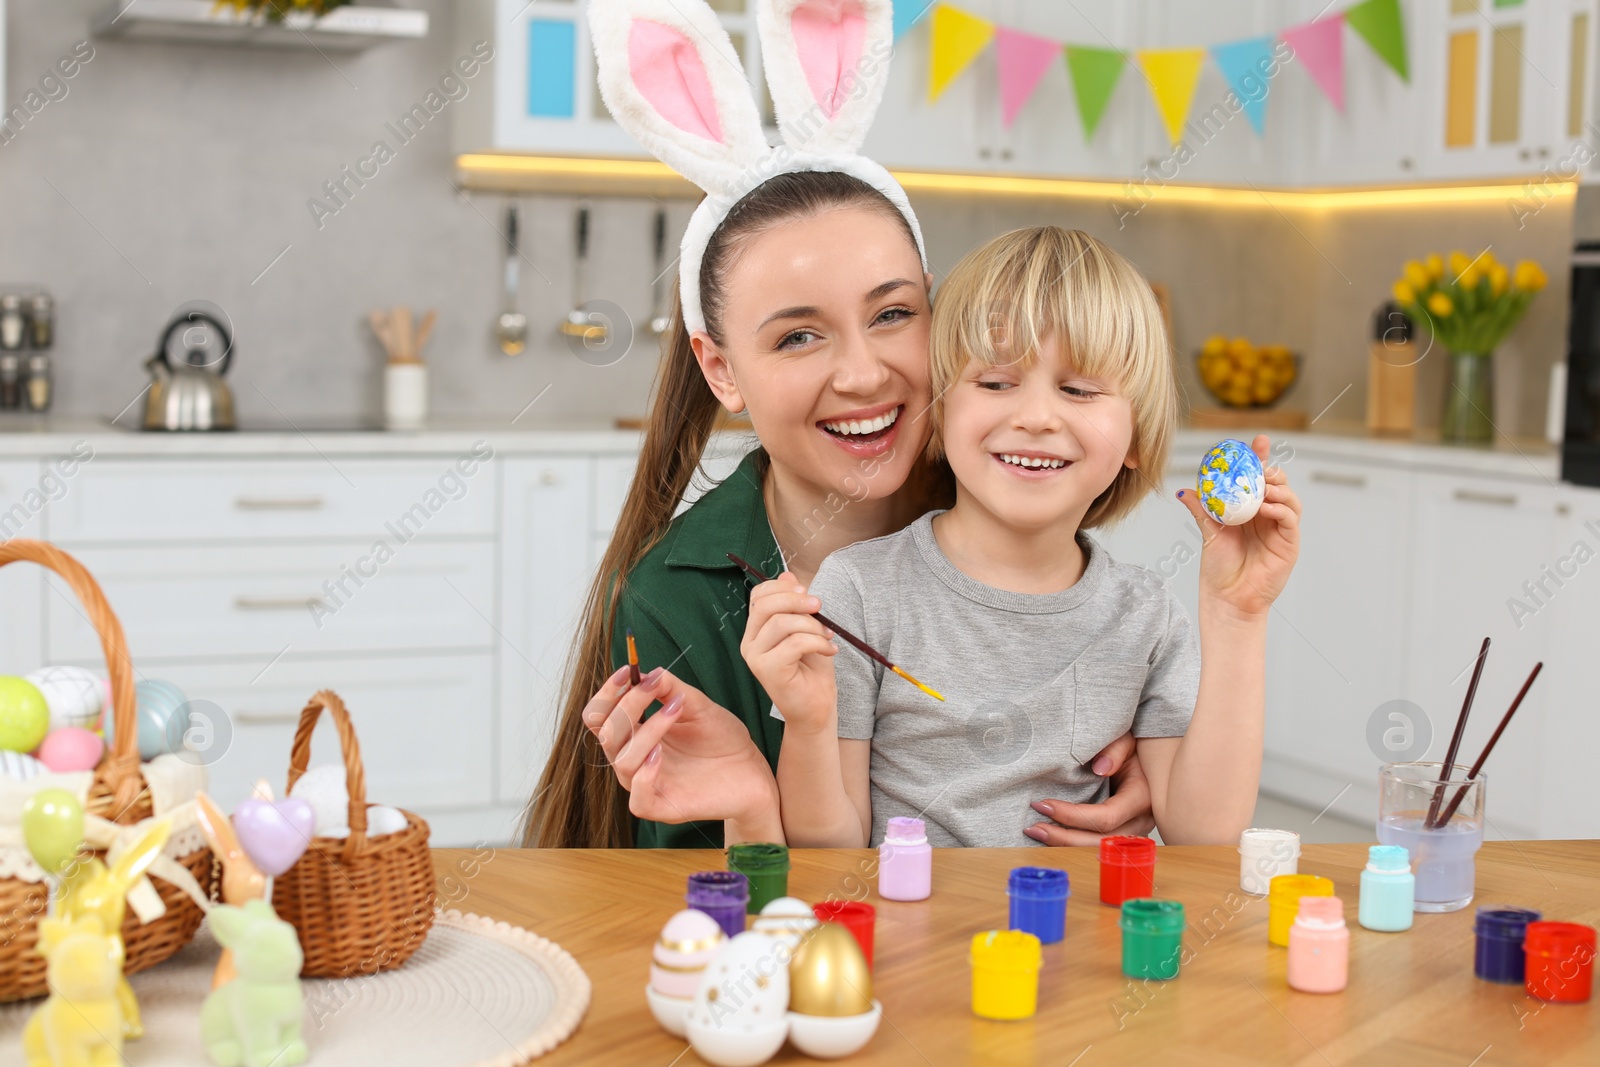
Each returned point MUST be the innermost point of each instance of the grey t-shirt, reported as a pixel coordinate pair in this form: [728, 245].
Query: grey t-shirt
[1035, 685]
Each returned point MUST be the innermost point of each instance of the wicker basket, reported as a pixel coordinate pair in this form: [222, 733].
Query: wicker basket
[360, 905]
[118, 793]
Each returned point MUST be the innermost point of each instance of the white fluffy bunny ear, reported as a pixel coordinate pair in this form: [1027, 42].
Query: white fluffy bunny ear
[827, 62]
[670, 76]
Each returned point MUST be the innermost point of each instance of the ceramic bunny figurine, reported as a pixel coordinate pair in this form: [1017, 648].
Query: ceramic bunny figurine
[80, 1025]
[242, 880]
[94, 891]
[254, 1020]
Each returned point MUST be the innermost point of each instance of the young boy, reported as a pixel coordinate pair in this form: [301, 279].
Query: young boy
[1055, 405]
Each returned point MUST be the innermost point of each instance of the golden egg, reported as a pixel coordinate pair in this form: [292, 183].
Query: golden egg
[828, 975]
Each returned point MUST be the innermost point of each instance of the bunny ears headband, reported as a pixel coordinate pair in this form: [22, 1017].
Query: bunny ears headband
[671, 78]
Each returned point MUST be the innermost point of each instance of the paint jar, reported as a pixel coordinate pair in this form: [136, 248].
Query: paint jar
[1283, 902]
[1265, 854]
[767, 868]
[905, 861]
[860, 918]
[1560, 962]
[1388, 890]
[1499, 955]
[1039, 902]
[721, 895]
[1005, 974]
[1127, 869]
[1152, 937]
[1319, 946]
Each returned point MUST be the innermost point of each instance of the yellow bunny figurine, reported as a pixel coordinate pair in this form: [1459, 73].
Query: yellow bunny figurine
[81, 1023]
[242, 880]
[92, 890]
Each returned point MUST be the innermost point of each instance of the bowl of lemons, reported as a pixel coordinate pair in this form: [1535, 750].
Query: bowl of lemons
[1241, 374]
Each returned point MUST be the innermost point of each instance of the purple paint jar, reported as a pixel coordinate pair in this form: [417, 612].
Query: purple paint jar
[723, 895]
[905, 861]
[1500, 928]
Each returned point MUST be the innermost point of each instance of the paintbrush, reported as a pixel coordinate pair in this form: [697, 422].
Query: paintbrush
[851, 638]
[633, 661]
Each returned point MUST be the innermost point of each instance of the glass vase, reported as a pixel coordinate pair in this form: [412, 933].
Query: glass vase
[1469, 399]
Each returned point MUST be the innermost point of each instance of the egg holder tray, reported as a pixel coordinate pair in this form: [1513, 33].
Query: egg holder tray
[479, 993]
[118, 792]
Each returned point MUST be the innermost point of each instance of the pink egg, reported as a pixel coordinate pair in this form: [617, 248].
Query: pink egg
[71, 748]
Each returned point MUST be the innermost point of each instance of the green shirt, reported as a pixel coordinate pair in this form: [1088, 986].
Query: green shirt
[687, 606]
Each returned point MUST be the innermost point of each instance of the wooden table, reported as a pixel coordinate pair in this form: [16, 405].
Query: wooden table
[1412, 998]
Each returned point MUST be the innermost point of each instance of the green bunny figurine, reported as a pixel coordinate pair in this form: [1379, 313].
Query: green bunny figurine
[254, 1020]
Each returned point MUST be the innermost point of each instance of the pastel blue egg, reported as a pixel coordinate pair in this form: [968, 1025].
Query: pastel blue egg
[1232, 482]
[157, 702]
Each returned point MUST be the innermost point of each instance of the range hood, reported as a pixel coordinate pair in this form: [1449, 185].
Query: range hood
[202, 21]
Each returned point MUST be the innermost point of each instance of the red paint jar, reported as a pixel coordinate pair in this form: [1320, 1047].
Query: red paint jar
[1560, 961]
[1127, 869]
[857, 917]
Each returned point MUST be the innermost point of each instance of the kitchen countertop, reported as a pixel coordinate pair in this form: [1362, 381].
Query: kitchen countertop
[23, 436]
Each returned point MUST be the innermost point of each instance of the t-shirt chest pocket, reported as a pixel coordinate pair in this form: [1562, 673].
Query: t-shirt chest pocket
[1105, 698]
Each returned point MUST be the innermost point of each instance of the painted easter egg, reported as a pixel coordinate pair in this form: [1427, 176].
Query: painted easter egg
[156, 702]
[787, 918]
[74, 694]
[20, 766]
[382, 819]
[24, 716]
[71, 748]
[688, 942]
[738, 1016]
[324, 788]
[1232, 483]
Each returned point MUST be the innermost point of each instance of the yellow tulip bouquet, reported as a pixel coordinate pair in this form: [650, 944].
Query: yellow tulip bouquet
[1474, 306]
[277, 9]
[1469, 310]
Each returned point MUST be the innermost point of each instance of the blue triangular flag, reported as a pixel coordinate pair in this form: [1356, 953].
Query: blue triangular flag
[1246, 65]
[908, 13]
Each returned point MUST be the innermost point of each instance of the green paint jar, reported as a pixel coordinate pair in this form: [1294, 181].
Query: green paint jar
[767, 868]
[1152, 937]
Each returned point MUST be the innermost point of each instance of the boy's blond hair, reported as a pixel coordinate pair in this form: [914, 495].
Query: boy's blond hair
[1004, 299]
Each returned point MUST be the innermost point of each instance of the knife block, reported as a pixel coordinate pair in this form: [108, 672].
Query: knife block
[1392, 387]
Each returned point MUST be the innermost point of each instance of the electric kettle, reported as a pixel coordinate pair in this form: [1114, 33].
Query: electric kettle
[191, 395]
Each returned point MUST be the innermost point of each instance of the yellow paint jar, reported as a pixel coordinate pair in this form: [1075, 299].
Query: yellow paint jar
[1005, 974]
[1283, 901]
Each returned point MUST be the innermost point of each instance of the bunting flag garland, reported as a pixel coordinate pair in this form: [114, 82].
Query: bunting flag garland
[1024, 61]
[1378, 22]
[1094, 75]
[958, 37]
[1246, 65]
[1173, 74]
[1319, 45]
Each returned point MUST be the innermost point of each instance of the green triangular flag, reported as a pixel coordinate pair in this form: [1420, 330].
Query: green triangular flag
[1378, 23]
[1094, 76]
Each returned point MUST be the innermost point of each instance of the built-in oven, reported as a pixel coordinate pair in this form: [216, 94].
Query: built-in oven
[1580, 446]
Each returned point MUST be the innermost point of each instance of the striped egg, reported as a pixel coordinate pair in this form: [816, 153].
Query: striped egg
[74, 695]
[20, 766]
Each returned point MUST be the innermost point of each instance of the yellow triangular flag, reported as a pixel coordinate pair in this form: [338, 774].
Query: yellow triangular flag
[957, 39]
[1173, 74]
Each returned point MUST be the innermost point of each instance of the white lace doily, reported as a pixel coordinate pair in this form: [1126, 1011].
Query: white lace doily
[477, 993]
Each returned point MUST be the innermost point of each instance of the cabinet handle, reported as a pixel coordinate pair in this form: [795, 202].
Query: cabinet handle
[1525, 154]
[549, 478]
[1473, 496]
[277, 603]
[1406, 163]
[283, 503]
[266, 716]
[1355, 481]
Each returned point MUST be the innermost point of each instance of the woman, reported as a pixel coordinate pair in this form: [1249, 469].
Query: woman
[816, 314]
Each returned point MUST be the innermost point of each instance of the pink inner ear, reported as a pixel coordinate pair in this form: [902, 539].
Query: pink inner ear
[830, 36]
[671, 76]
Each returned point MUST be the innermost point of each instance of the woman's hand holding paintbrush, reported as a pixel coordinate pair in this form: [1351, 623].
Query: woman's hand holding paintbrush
[791, 653]
[692, 760]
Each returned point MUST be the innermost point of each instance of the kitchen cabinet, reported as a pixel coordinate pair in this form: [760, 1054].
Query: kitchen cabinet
[1571, 676]
[26, 487]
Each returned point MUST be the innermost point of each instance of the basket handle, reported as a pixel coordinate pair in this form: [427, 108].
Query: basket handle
[355, 775]
[121, 764]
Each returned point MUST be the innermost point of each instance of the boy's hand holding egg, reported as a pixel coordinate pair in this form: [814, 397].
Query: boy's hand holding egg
[790, 653]
[1251, 539]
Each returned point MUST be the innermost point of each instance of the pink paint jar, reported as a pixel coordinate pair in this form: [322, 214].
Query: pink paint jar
[905, 861]
[1319, 946]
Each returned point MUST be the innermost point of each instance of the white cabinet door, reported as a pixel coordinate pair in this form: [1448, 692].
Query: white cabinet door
[1478, 541]
[26, 488]
[545, 534]
[1336, 643]
[1571, 676]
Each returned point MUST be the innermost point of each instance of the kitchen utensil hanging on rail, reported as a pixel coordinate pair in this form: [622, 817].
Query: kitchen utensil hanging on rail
[511, 328]
[581, 323]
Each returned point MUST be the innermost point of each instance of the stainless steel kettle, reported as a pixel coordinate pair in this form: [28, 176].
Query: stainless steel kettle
[192, 394]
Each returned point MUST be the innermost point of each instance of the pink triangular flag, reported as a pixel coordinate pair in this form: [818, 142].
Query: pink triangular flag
[1320, 46]
[1024, 59]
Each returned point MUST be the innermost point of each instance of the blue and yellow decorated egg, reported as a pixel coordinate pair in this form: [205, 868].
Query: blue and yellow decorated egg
[1232, 482]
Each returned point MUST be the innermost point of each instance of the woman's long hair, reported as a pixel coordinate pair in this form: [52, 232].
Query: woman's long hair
[579, 802]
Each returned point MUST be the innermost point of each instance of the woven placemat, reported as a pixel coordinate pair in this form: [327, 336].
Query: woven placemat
[477, 993]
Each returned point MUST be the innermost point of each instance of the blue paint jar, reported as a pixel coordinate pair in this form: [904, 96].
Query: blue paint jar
[1500, 929]
[1388, 890]
[1039, 902]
